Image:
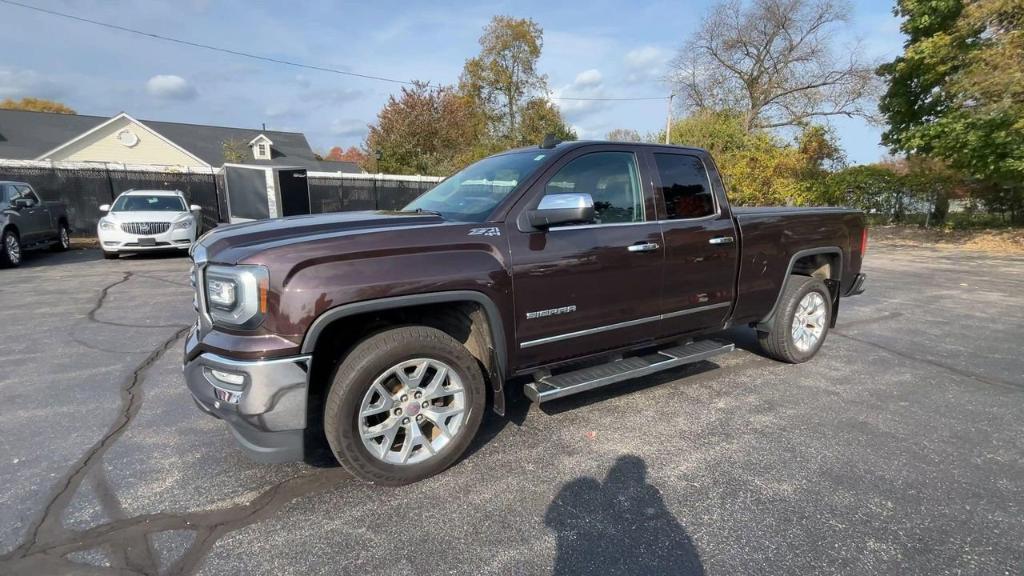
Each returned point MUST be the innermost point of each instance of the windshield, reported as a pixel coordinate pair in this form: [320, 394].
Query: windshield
[140, 203]
[472, 194]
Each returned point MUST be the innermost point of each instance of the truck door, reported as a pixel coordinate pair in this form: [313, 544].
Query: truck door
[701, 244]
[587, 287]
[35, 218]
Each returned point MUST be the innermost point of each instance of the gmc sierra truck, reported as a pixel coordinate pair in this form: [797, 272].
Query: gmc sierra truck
[548, 271]
[28, 223]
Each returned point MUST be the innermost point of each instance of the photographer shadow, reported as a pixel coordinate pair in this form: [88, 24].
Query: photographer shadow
[620, 526]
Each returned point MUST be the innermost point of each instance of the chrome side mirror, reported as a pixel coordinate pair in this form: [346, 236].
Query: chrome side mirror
[555, 209]
[195, 208]
[104, 207]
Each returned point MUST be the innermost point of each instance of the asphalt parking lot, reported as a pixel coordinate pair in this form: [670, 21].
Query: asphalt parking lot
[899, 449]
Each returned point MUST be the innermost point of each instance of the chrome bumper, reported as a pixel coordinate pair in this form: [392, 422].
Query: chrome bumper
[262, 401]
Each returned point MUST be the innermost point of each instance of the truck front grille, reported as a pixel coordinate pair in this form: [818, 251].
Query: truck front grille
[145, 228]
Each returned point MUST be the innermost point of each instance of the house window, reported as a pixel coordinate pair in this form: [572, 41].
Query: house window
[261, 151]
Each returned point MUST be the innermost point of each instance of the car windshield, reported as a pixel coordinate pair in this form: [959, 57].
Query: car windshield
[142, 203]
[472, 194]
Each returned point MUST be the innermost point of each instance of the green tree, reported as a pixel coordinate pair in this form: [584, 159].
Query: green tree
[426, 130]
[957, 91]
[540, 118]
[36, 105]
[504, 78]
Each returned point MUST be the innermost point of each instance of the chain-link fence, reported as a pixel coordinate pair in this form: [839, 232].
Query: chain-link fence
[83, 187]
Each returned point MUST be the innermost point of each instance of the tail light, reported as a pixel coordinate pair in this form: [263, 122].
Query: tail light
[864, 241]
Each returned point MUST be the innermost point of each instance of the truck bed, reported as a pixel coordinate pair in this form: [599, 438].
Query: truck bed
[773, 238]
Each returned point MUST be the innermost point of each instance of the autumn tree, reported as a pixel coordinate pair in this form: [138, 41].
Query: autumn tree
[235, 151]
[352, 154]
[36, 105]
[957, 92]
[623, 135]
[505, 82]
[426, 130]
[775, 62]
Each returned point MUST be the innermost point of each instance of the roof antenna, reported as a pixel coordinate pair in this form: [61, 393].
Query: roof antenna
[550, 141]
[264, 126]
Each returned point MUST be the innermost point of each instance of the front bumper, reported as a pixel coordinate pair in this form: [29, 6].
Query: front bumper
[266, 412]
[123, 242]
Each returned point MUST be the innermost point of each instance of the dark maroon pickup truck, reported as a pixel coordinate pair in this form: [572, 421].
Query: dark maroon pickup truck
[546, 270]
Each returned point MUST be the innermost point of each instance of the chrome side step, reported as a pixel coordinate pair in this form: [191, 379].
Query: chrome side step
[551, 387]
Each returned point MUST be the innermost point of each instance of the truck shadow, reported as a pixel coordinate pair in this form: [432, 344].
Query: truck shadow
[619, 526]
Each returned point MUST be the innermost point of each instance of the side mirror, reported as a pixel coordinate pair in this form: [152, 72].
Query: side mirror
[104, 207]
[557, 209]
[20, 203]
[195, 208]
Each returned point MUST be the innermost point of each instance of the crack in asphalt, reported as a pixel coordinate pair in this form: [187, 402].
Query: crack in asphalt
[991, 381]
[126, 541]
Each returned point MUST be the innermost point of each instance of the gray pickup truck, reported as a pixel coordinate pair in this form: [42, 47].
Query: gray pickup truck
[28, 223]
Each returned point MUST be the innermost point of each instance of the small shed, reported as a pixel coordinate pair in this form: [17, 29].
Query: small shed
[260, 192]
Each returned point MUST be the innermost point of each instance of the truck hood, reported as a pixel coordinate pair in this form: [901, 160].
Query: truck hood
[237, 242]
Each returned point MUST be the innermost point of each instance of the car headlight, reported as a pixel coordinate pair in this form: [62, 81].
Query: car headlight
[107, 225]
[183, 225]
[236, 296]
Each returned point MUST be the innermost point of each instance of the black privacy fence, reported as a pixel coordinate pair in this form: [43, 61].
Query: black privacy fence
[85, 187]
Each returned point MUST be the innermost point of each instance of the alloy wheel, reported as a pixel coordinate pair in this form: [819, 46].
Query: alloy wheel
[13, 249]
[65, 241]
[412, 411]
[809, 321]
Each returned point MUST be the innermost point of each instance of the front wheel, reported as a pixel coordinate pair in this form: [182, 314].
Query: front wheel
[801, 321]
[404, 404]
[10, 249]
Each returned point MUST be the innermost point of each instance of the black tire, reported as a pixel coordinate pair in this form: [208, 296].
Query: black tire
[778, 341]
[6, 260]
[110, 255]
[63, 238]
[356, 373]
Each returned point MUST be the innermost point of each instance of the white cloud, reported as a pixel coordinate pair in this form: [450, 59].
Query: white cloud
[645, 63]
[588, 78]
[587, 84]
[16, 83]
[170, 87]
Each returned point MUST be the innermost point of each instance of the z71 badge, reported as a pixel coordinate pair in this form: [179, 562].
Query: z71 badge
[491, 231]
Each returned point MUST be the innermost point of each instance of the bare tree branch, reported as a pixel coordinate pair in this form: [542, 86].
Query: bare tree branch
[775, 61]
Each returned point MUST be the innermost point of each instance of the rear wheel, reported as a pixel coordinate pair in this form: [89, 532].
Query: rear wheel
[404, 405]
[10, 249]
[801, 321]
[63, 238]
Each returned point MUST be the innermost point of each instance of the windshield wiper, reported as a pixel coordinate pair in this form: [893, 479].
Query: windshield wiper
[425, 211]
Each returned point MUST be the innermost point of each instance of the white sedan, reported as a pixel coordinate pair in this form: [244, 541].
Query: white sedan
[145, 220]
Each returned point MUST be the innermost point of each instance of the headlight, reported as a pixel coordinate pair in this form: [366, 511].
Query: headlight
[183, 225]
[107, 225]
[236, 296]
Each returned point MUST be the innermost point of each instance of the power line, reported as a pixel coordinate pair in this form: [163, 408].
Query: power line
[221, 49]
[205, 46]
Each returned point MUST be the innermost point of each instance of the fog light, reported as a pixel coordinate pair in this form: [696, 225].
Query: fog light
[228, 377]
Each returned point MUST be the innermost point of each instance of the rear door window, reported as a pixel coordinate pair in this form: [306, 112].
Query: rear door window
[684, 187]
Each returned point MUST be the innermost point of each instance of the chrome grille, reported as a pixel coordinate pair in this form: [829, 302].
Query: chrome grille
[145, 228]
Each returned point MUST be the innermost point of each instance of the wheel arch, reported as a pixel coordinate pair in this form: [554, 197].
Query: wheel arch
[825, 262]
[473, 311]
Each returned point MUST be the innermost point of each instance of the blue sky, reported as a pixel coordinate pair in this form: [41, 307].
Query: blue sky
[596, 48]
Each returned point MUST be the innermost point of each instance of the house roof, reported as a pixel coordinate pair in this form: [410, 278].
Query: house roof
[26, 135]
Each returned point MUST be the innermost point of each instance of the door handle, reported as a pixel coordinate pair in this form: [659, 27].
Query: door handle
[722, 240]
[643, 247]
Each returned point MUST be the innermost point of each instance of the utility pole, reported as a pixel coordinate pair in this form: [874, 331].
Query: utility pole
[668, 120]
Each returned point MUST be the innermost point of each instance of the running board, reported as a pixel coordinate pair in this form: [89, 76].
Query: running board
[551, 387]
